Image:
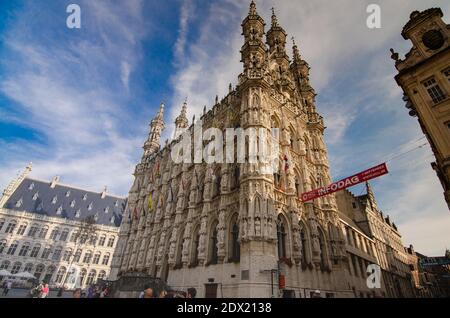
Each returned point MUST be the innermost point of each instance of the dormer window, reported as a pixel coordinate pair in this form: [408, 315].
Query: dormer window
[107, 209]
[96, 217]
[116, 204]
[90, 206]
[39, 207]
[55, 199]
[35, 196]
[85, 197]
[31, 187]
[19, 203]
[72, 204]
[78, 213]
[113, 219]
[59, 210]
[68, 193]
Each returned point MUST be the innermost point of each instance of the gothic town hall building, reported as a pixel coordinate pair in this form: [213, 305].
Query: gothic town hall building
[228, 229]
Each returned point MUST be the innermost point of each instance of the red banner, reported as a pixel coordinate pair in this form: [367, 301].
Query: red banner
[346, 183]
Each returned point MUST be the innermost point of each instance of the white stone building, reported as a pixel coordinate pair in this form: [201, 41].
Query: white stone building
[39, 222]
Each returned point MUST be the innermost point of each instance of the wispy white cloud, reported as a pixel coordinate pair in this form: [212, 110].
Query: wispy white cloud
[73, 94]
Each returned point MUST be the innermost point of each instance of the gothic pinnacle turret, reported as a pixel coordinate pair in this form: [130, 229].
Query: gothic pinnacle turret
[276, 38]
[156, 127]
[181, 122]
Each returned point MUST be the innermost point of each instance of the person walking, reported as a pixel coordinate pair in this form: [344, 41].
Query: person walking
[60, 291]
[77, 293]
[7, 287]
[45, 291]
[147, 292]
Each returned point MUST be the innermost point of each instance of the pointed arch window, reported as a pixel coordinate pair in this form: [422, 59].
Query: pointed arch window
[235, 248]
[55, 199]
[213, 259]
[85, 197]
[35, 196]
[59, 210]
[281, 236]
[68, 193]
[72, 204]
[78, 213]
[194, 261]
[322, 250]
[31, 186]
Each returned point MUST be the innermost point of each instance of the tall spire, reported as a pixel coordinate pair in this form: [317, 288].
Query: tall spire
[297, 56]
[181, 122]
[252, 10]
[274, 18]
[276, 38]
[156, 127]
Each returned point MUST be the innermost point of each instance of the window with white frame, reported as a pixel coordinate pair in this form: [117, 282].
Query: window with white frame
[35, 250]
[96, 259]
[91, 277]
[16, 268]
[39, 270]
[54, 234]
[111, 241]
[105, 259]
[24, 249]
[101, 275]
[46, 252]
[11, 226]
[102, 240]
[43, 232]
[5, 265]
[28, 268]
[12, 248]
[21, 229]
[67, 254]
[33, 230]
[57, 253]
[64, 235]
[2, 246]
[434, 90]
[87, 257]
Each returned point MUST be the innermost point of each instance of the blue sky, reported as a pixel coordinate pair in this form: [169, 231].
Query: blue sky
[77, 103]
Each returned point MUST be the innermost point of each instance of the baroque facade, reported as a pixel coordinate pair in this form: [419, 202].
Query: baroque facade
[230, 229]
[40, 224]
[424, 76]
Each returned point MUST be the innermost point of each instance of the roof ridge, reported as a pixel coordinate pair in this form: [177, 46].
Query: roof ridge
[76, 188]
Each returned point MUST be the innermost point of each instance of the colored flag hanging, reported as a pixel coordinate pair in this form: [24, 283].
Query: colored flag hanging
[286, 163]
[150, 202]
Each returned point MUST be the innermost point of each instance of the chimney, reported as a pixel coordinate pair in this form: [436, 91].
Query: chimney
[55, 181]
[104, 192]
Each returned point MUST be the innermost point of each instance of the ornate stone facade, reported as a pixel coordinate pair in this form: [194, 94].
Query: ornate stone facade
[39, 226]
[229, 225]
[424, 76]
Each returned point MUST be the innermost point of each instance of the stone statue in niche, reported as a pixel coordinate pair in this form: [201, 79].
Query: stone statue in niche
[258, 227]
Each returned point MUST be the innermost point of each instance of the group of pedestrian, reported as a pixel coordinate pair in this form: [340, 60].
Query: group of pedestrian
[149, 293]
[40, 291]
[93, 291]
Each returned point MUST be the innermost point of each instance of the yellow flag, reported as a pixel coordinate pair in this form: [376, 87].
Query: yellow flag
[150, 203]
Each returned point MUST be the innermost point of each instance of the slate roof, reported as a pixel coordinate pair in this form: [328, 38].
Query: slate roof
[35, 196]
